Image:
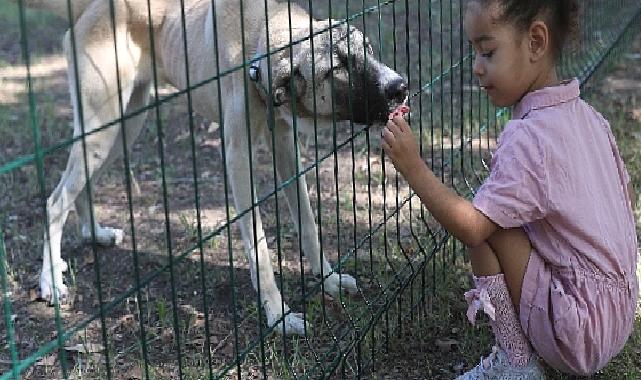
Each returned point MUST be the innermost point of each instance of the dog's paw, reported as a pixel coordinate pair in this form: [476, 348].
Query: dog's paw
[105, 236]
[294, 324]
[335, 281]
[50, 281]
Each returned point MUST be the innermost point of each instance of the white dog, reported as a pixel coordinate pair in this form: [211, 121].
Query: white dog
[103, 42]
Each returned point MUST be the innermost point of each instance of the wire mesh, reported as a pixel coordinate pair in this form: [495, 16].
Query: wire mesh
[175, 299]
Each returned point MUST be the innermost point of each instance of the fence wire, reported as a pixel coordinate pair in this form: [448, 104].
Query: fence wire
[175, 299]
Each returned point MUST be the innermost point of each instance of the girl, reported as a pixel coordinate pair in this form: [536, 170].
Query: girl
[551, 232]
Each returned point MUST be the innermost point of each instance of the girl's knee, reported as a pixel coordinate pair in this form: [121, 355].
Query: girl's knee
[483, 259]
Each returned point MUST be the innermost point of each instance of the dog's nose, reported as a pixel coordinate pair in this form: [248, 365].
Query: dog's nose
[396, 90]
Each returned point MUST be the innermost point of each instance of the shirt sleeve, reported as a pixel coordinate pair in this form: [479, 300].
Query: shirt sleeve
[515, 193]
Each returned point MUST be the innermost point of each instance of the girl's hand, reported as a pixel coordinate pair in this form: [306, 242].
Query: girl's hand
[399, 143]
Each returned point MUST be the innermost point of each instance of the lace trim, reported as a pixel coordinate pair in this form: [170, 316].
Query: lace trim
[505, 324]
[479, 299]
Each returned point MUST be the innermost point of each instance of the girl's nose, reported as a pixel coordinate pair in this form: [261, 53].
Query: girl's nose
[478, 67]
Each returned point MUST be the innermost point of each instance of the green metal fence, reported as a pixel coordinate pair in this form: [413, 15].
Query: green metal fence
[175, 299]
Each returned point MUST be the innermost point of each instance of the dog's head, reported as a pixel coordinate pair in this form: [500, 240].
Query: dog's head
[338, 64]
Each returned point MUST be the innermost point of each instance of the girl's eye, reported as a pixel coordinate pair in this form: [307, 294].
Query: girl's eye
[488, 54]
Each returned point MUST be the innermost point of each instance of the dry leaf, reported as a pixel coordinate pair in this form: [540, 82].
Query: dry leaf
[446, 344]
[89, 259]
[86, 348]
[167, 335]
[134, 373]
[48, 360]
[33, 295]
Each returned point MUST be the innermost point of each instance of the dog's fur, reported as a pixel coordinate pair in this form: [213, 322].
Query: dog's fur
[100, 38]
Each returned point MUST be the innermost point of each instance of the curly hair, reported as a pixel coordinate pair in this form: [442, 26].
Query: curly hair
[561, 17]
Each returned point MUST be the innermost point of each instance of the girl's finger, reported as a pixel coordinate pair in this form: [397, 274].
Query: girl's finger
[387, 135]
[384, 131]
[399, 125]
[403, 126]
[385, 146]
[393, 127]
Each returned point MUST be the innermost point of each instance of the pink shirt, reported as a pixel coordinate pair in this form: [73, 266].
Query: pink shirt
[557, 173]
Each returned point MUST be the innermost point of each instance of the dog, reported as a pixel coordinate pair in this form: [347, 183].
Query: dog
[313, 75]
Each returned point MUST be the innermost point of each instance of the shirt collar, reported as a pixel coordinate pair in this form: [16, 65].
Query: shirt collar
[546, 97]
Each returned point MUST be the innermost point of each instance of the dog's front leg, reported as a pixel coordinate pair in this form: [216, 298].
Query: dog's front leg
[303, 219]
[93, 80]
[107, 236]
[262, 273]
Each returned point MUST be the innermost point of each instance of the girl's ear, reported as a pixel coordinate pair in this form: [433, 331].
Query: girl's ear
[539, 40]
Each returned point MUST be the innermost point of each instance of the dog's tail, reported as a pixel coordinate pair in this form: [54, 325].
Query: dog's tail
[59, 7]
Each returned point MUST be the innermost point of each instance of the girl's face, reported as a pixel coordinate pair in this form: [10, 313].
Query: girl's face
[502, 56]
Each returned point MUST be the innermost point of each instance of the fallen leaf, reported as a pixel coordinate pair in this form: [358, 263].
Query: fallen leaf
[446, 344]
[33, 295]
[88, 259]
[134, 373]
[167, 335]
[86, 348]
[48, 360]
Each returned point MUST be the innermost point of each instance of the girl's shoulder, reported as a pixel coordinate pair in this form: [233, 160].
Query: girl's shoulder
[522, 137]
[521, 130]
[597, 114]
[559, 121]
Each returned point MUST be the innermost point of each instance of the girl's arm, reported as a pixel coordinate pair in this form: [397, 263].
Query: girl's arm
[456, 214]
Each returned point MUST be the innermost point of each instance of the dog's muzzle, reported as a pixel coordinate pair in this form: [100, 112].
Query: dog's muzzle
[389, 95]
[396, 91]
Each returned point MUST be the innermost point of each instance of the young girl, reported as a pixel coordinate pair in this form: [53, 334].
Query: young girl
[551, 232]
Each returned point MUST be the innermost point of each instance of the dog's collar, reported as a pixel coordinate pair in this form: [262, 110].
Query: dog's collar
[256, 77]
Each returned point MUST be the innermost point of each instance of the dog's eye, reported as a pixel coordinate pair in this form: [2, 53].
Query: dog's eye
[347, 62]
[330, 72]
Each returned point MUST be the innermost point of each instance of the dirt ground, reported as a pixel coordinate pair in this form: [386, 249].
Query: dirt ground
[183, 336]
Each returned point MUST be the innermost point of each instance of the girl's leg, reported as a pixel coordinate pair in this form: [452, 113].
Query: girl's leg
[507, 252]
[499, 266]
